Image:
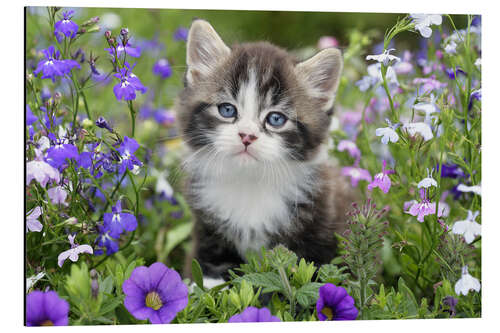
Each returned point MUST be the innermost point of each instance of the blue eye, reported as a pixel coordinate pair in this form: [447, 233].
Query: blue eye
[276, 119]
[227, 110]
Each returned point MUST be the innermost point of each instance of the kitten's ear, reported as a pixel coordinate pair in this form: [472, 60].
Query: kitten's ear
[205, 49]
[321, 75]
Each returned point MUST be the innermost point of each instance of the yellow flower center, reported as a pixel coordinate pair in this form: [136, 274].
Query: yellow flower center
[327, 312]
[47, 323]
[153, 300]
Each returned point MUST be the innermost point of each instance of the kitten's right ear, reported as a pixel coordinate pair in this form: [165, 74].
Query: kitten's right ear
[205, 49]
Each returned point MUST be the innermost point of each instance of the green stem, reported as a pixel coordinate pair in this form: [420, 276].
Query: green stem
[132, 116]
[288, 289]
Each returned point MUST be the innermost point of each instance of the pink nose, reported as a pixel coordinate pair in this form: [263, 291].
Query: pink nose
[247, 139]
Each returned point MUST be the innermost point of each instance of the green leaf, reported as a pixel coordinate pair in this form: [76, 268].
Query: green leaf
[111, 305]
[409, 298]
[308, 294]
[270, 281]
[197, 274]
[175, 236]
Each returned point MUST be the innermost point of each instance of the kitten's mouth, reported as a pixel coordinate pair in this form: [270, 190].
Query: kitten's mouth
[245, 153]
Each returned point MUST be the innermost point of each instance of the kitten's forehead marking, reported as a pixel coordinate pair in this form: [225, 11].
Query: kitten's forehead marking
[249, 101]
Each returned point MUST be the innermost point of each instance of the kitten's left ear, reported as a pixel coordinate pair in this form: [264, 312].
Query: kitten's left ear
[205, 50]
[321, 75]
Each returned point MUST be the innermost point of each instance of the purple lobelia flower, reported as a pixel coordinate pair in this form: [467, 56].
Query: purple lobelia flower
[41, 171]
[156, 293]
[129, 83]
[128, 49]
[423, 208]
[103, 123]
[450, 170]
[382, 180]
[117, 221]
[65, 27]
[351, 148]
[475, 95]
[52, 66]
[356, 173]
[104, 240]
[334, 303]
[58, 155]
[181, 34]
[46, 309]
[58, 195]
[127, 149]
[164, 117]
[162, 68]
[428, 84]
[73, 252]
[253, 315]
[30, 119]
[32, 223]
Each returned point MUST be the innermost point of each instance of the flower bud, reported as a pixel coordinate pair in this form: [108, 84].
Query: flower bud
[87, 123]
[107, 34]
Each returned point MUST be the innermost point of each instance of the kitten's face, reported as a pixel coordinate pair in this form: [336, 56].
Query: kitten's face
[253, 105]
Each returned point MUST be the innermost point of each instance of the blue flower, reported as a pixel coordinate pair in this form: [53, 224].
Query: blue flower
[52, 66]
[117, 222]
[253, 315]
[129, 50]
[104, 240]
[127, 149]
[162, 68]
[58, 155]
[475, 95]
[65, 27]
[181, 34]
[128, 84]
[30, 119]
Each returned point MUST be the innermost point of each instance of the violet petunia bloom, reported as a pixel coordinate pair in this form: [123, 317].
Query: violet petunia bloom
[334, 303]
[351, 148]
[468, 228]
[128, 159]
[423, 208]
[32, 223]
[58, 195]
[52, 66]
[162, 68]
[73, 253]
[156, 293]
[382, 180]
[253, 315]
[46, 309]
[356, 174]
[117, 221]
[65, 27]
[129, 83]
[181, 34]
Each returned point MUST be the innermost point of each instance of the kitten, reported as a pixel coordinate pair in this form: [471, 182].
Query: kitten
[256, 124]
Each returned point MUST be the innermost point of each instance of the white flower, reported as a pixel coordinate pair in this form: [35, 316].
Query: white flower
[466, 283]
[428, 107]
[468, 228]
[384, 58]
[427, 181]
[162, 184]
[421, 128]
[32, 280]
[423, 22]
[387, 134]
[477, 63]
[476, 189]
[73, 253]
[375, 71]
[32, 223]
[451, 48]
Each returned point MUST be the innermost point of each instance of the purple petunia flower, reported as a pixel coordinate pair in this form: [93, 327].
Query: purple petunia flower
[52, 66]
[334, 303]
[382, 180]
[162, 68]
[356, 173]
[65, 27]
[156, 293]
[127, 149]
[423, 208]
[128, 84]
[181, 34]
[351, 148]
[253, 315]
[105, 240]
[32, 223]
[73, 252]
[117, 221]
[58, 155]
[129, 50]
[46, 309]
